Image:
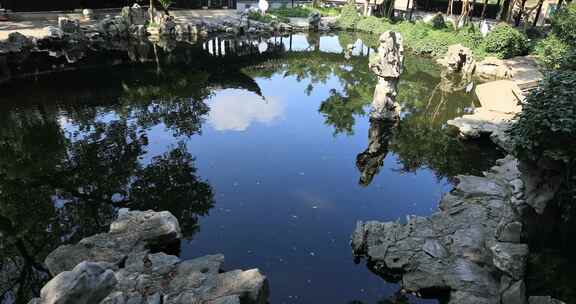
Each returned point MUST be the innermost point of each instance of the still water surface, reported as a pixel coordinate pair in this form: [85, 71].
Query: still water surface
[256, 154]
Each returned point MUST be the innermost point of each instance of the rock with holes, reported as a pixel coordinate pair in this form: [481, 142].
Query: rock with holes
[135, 15]
[459, 59]
[388, 65]
[460, 248]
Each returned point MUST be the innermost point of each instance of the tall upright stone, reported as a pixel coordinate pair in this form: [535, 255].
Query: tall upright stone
[388, 65]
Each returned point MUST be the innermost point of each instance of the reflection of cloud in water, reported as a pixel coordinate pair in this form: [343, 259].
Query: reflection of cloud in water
[236, 109]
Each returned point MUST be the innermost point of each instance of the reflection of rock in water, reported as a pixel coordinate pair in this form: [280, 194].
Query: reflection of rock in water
[388, 66]
[370, 161]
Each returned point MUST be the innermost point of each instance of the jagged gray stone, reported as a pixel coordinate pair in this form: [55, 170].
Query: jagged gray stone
[457, 248]
[87, 283]
[124, 271]
[133, 232]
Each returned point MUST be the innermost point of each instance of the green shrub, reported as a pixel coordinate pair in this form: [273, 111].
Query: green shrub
[551, 51]
[299, 11]
[372, 24]
[564, 24]
[506, 41]
[547, 124]
[268, 18]
[569, 61]
[470, 36]
[349, 17]
[438, 22]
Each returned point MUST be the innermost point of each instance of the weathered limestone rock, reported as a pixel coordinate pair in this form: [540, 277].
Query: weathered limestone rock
[388, 65]
[457, 248]
[15, 43]
[113, 27]
[510, 258]
[516, 294]
[135, 15]
[133, 232]
[125, 271]
[459, 59]
[314, 21]
[87, 283]
[69, 26]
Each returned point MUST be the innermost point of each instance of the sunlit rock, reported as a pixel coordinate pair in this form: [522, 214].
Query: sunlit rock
[124, 270]
[133, 232]
[388, 65]
[455, 249]
[314, 21]
[459, 59]
[87, 283]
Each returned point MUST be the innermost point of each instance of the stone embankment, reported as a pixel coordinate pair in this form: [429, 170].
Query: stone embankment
[473, 248]
[134, 22]
[127, 265]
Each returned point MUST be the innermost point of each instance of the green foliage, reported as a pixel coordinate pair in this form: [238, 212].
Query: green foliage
[564, 24]
[165, 3]
[547, 124]
[372, 24]
[349, 17]
[551, 51]
[267, 18]
[506, 41]
[303, 11]
[420, 38]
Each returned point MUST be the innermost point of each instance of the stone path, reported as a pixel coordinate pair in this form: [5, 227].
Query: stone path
[500, 101]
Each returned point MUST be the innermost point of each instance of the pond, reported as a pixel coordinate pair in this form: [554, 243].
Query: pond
[256, 146]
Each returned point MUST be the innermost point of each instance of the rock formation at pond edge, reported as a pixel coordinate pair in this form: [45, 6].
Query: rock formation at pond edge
[388, 65]
[123, 266]
[472, 247]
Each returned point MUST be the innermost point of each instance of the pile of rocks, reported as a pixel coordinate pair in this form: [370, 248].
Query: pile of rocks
[121, 267]
[471, 248]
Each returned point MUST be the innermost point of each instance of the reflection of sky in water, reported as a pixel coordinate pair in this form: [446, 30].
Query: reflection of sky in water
[286, 188]
[287, 193]
[236, 110]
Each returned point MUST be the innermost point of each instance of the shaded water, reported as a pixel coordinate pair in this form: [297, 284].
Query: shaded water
[260, 157]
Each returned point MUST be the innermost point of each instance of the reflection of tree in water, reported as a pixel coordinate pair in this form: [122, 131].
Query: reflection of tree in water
[76, 192]
[427, 101]
[58, 185]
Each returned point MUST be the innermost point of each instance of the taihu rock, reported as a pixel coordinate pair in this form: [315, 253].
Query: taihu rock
[455, 248]
[388, 65]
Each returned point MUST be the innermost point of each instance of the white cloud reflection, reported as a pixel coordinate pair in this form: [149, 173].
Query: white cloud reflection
[236, 110]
